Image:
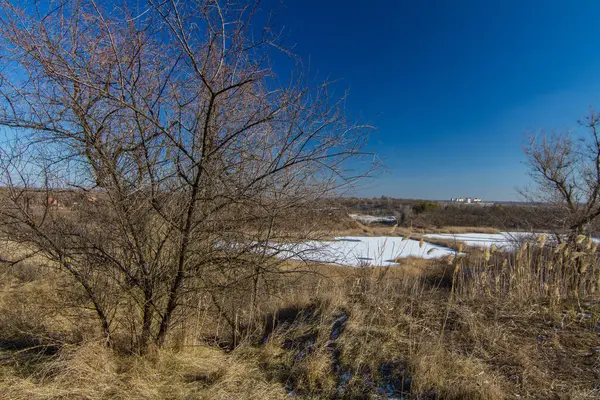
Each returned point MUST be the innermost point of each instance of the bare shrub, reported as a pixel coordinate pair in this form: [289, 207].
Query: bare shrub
[566, 171]
[154, 157]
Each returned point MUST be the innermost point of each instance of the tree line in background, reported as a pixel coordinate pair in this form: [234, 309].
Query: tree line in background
[430, 214]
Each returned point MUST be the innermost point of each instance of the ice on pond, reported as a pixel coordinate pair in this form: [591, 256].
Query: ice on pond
[503, 240]
[362, 251]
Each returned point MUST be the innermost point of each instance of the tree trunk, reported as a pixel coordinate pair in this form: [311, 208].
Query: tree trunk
[146, 324]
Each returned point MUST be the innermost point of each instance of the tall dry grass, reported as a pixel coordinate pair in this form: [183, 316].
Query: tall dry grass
[536, 270]
[476, 327]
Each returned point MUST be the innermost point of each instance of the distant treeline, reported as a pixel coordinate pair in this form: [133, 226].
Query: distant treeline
[432, 214]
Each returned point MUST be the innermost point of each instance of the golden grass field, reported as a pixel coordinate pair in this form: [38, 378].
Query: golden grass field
[487, 326]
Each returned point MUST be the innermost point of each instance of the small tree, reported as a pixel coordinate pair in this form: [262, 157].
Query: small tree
[567, 174]
[425, 206]
[154, 156]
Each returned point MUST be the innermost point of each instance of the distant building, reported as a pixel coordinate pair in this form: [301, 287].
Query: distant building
[466, 200]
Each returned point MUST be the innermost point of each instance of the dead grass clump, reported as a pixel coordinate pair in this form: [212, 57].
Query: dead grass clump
[25, 309]
[464, 229]
[92, 371]
[44, 311]
[449, 375]
[24, 272]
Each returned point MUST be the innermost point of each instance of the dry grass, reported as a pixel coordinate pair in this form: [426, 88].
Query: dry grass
[358, 229]
[467, 348]
[349, 333]
[91, 371]
[462, 229]
[537, 270]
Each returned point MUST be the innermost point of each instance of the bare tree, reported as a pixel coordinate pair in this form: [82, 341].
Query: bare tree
[567, 174]
[153, 155]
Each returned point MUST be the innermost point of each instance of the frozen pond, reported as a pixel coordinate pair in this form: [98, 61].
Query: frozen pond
[362, 251]
[358, 251]
[502, 240]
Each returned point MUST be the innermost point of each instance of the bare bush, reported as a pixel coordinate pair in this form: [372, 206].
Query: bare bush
[154, 156]
[567, 174]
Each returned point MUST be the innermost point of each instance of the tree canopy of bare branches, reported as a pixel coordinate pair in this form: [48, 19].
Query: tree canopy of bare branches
[566, 171]
[152, 154]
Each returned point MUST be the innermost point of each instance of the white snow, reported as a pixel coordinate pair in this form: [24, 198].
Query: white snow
[502, 240]
[362, 251]
[359, 251]
[369, 219]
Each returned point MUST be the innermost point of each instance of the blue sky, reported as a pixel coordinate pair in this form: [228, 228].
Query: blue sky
[454, 87]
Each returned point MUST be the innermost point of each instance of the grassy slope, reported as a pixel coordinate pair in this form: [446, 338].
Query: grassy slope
[344, 333]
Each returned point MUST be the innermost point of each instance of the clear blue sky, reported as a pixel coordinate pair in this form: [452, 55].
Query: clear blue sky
[453, 86]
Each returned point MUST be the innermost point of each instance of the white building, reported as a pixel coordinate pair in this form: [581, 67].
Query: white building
[466, 200]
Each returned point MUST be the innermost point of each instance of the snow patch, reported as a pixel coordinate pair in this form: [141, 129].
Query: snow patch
[370, 219]
[359, 251]
[503, 240]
